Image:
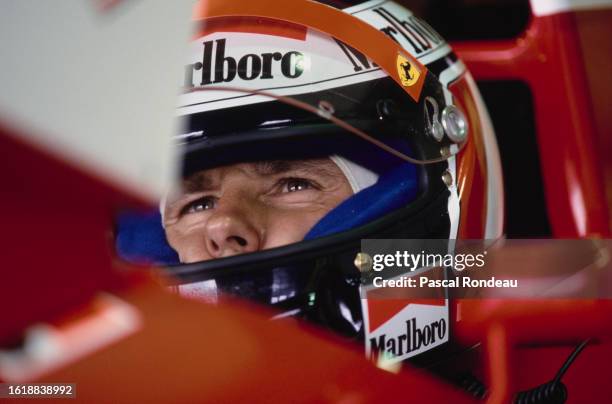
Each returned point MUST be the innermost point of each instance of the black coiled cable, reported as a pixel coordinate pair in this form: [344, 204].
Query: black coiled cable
[553, 392]
[548, 393]
[473, 386]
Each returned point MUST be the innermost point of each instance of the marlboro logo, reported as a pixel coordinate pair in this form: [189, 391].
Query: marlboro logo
[400, 329]
[413, 338]
[217, 67]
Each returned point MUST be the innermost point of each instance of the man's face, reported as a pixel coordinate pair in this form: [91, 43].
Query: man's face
[251, 206]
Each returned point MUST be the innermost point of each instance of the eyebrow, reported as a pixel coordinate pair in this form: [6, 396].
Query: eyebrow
[198, 182]
[202, 181]
[315, 166]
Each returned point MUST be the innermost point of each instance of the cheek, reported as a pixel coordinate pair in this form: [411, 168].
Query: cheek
[286, 226]
[290, 227]
[191, 247]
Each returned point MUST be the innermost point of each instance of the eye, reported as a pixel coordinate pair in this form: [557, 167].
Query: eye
[205, 203]
[296, 184]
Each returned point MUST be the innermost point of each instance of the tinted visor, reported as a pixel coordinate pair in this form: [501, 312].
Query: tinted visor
[240, 125]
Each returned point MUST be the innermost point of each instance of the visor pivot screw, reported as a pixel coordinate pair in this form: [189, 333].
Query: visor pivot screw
[445, 152]
[454, 123]
[447, 178]
[326, 109]
[363, 262]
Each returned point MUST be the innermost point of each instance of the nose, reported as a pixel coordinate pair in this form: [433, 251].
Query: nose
[230, 233]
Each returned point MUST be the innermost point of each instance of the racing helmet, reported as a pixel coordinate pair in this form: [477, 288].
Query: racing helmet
[379, 92]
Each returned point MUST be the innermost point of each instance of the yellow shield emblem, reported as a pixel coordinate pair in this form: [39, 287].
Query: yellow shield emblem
[408, 72]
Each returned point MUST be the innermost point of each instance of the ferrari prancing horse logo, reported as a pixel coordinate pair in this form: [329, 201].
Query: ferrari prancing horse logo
[408, 72]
